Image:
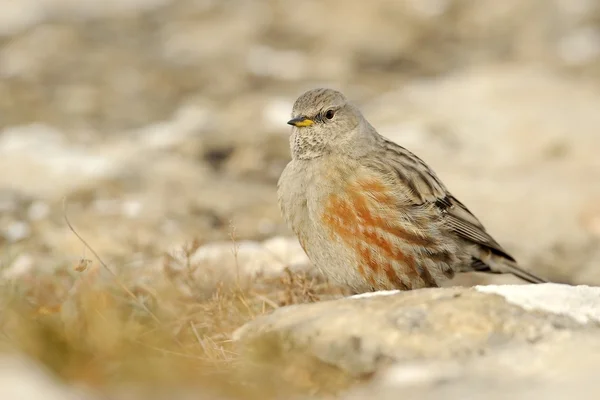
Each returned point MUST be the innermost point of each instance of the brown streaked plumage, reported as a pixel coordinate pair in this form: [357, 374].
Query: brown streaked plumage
[370, 214]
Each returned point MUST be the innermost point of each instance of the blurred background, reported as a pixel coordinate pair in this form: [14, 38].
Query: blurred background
[161, 121]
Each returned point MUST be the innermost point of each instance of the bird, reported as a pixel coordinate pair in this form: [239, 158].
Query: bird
[370, 214]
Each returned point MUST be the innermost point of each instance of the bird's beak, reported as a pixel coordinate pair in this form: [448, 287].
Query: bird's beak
[301, 121]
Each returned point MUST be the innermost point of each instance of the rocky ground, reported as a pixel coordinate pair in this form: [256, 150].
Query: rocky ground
[492, 341]
[160, 124]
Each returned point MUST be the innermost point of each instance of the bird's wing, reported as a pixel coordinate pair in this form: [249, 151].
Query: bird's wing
[426, 189]
[460, 220]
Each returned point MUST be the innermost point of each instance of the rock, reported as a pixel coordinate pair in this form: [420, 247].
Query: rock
[226, 262]
[42, 162]
[253, 258]
[17, 231]
[578, 302]
[561, 368]
[21, 378]
[363, 335]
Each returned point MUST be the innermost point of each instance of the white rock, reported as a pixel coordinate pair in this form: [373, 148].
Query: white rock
[185, 123]
[287, 250]
[19, 267]
[19, 15]
[22, 379]
[38, 210]
[374, 294]
[580, 47]
[42, 162]
[17, 231]
[252, 258]
[417, 373]
[132, 208]
[578, 302]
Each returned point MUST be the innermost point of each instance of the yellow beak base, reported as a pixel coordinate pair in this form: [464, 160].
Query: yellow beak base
[301, 122]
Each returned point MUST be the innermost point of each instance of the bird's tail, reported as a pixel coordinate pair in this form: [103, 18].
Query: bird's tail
[513, 268]
[501, 265]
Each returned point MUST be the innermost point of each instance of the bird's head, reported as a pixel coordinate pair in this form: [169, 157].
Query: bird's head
[323, 121]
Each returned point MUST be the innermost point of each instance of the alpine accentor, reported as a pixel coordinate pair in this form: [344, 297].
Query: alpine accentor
[370, 214]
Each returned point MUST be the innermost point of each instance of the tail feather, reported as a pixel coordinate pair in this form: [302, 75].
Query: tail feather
[514, 269]
[503, 266]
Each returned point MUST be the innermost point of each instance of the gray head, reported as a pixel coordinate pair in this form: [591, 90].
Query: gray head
[324, 122]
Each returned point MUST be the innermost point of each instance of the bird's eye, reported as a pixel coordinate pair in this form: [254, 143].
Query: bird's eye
[329, 114]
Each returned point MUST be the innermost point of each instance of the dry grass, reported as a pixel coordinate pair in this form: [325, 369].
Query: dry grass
[107, 331]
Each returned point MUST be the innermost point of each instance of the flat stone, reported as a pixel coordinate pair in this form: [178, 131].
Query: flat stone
[363, 334]
[562, 367]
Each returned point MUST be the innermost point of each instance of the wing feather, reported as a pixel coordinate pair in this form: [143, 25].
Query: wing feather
[426, 188]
